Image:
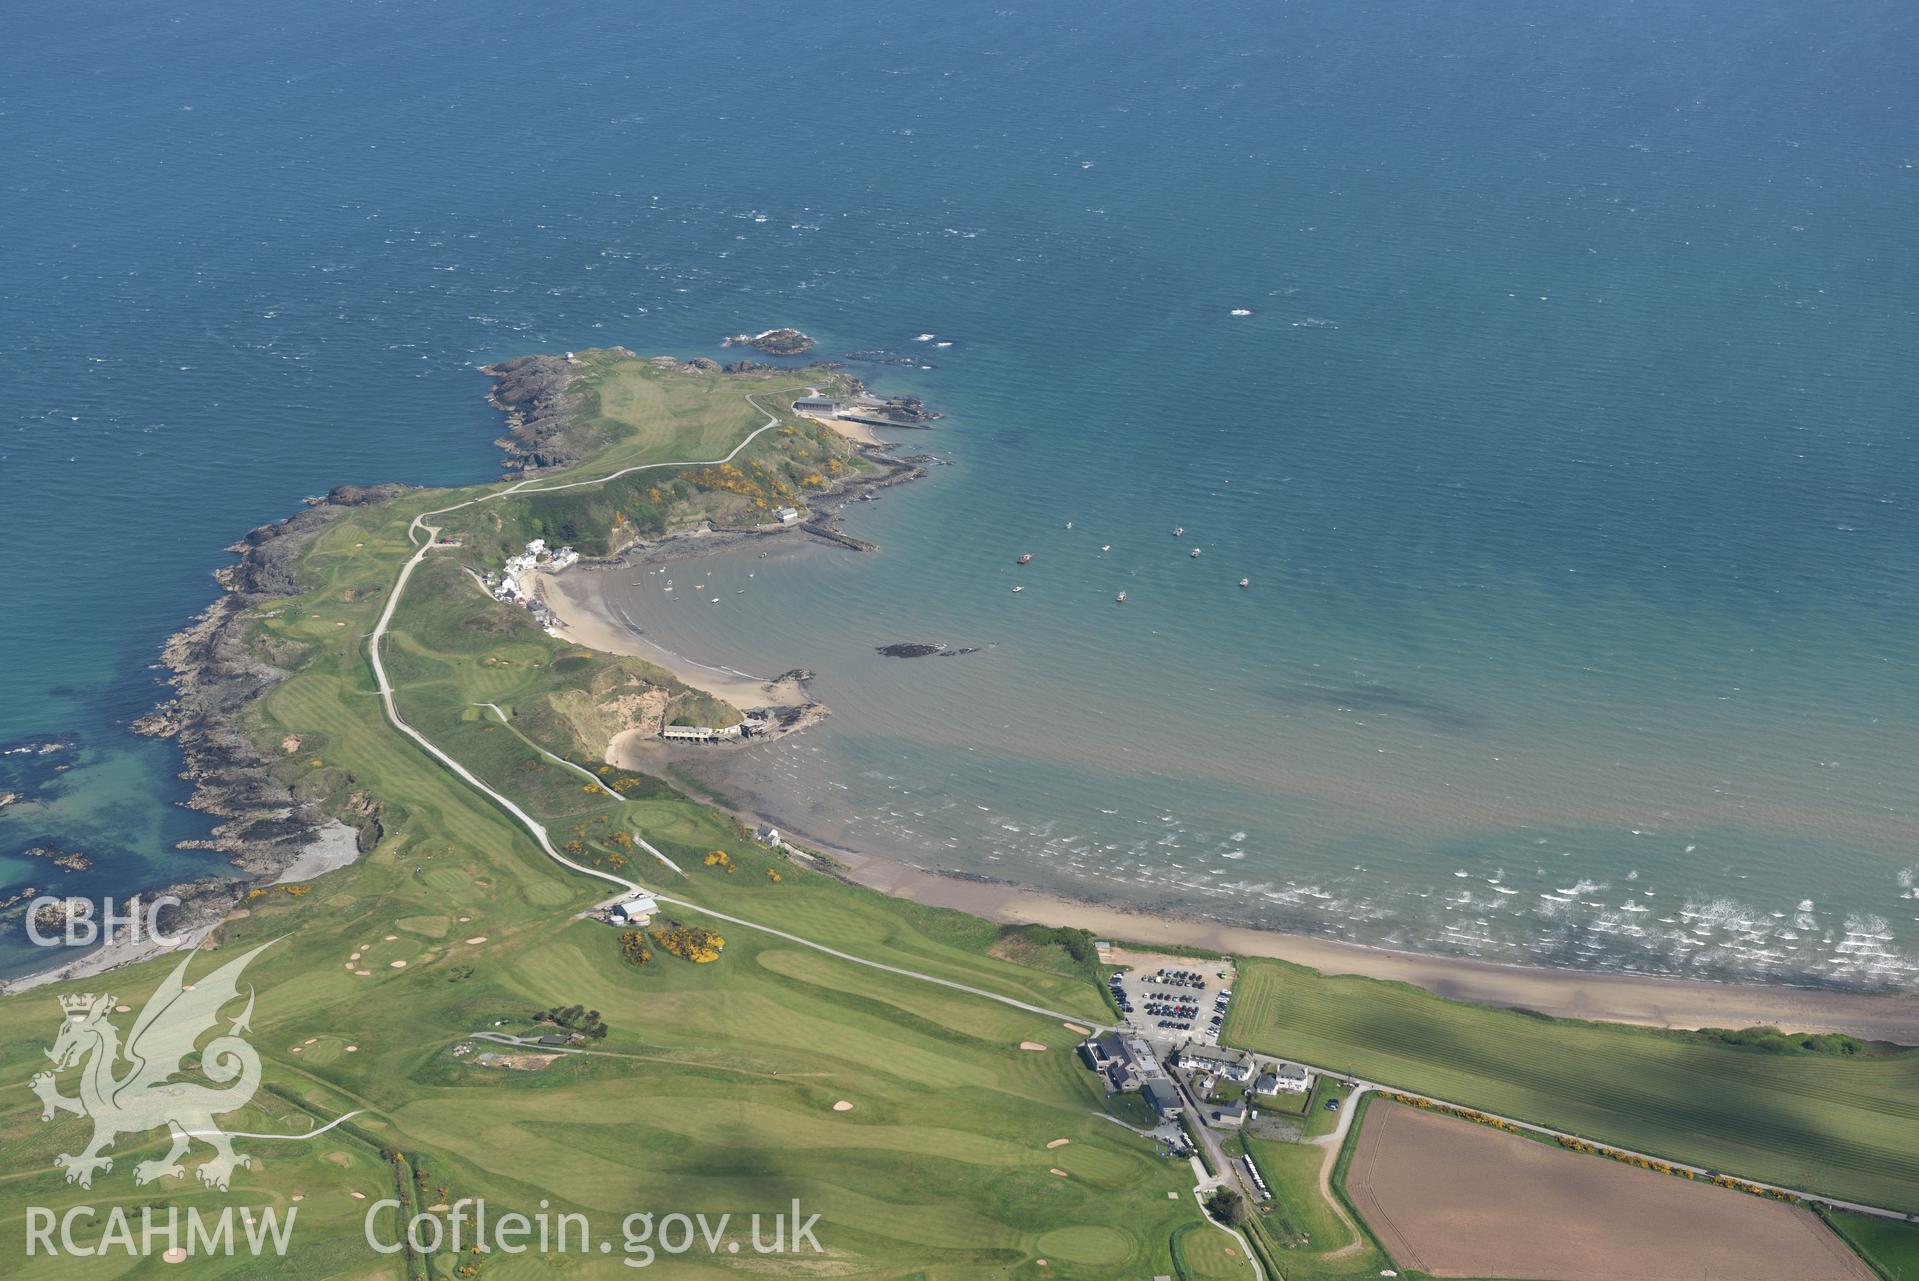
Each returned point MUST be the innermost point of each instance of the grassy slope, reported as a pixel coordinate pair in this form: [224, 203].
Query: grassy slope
[1206, 1254]
[657, 415]
[717, 1087]
[1891, 1248]
[1848, 1127]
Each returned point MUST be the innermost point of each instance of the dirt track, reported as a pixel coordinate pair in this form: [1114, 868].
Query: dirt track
[1455, 1199]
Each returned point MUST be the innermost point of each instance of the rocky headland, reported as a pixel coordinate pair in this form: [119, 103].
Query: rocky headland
[266, 827]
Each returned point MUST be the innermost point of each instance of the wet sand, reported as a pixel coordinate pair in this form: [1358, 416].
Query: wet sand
[583, 619]
[1616, 998]
[1607, 996]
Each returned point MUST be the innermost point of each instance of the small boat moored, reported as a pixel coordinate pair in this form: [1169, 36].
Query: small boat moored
[1194, 554]
[1179, 531]
[1106, 547]
[1245, 582]
[1120, 599]
[1026, 558]
[1019, 589]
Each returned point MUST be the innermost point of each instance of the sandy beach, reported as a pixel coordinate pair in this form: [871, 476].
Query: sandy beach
[1617, 998]
[583, 619]
[1610, 996]
[858, 433]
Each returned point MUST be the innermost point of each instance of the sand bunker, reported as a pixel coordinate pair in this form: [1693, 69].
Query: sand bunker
[1057, 1143]
[1077, 1030]
[177, 1254]
[1062, 1174]
[1031, 1045]
[477, 938]
[843, 1106]
[398, 965]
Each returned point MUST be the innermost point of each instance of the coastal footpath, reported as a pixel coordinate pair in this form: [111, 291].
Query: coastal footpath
[503, 825]
[279, 822]
[559, 409]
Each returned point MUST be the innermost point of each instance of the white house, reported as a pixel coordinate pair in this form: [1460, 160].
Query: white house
[1234, 1065]
[768, 835]
[1287, 1078]
[787, 515]
[687, 733]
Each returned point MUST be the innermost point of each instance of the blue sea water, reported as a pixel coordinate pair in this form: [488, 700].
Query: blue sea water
[1568, 444]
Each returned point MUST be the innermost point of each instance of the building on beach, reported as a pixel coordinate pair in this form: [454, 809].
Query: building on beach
[688, 733]
[817, 407]
[787, 515]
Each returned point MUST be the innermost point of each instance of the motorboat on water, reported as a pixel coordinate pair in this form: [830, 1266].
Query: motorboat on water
[1179, 531]
[1245, 582]
[1026, 558]
[1194, 554]
[1120, 599]
[1106, 547]
[1019, 589]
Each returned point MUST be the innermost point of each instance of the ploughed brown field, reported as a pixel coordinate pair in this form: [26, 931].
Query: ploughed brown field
[1454, 1199]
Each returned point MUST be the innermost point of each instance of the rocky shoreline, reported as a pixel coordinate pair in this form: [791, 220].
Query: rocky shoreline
[265, 827]
[268, 831]
[786, 715]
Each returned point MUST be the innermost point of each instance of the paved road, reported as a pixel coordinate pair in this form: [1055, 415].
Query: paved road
[586, 774]
[532, 825]
[545, 842]
[1205, 1184]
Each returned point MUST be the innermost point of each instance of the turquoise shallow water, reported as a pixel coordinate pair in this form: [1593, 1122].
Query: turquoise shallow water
[1568, 443]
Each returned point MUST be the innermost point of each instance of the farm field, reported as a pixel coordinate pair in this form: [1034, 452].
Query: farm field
[1451, 1198]
[1844, 1126]
[1892, 1248]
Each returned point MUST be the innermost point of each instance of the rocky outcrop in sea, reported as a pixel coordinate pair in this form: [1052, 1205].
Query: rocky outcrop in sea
[772, 342]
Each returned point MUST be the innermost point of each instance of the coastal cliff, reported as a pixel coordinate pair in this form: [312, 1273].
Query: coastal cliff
[543, 426]
[216, 676]
[283, 814]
